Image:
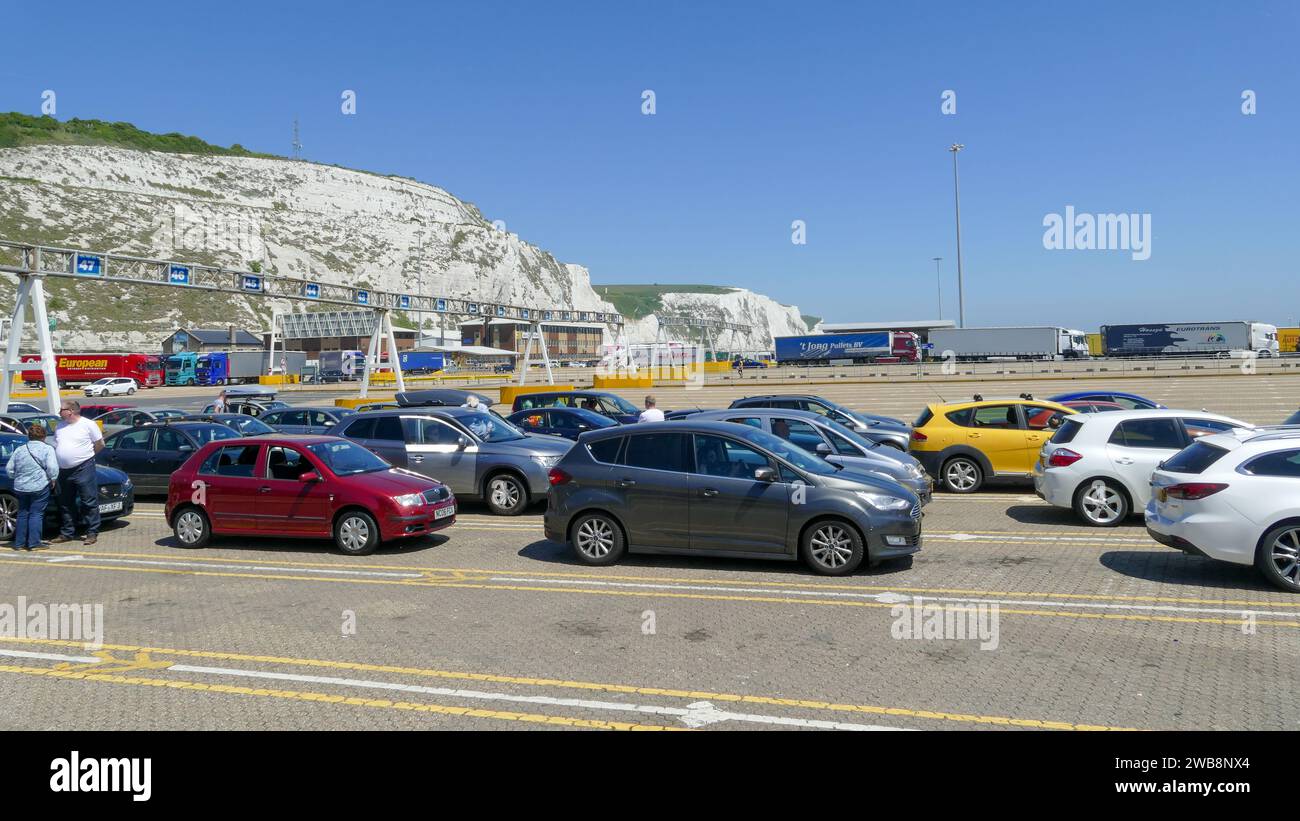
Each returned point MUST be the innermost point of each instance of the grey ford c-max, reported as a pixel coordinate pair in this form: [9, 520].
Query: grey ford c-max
[723, 489]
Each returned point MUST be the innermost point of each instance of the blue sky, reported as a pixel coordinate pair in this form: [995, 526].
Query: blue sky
[766, 113]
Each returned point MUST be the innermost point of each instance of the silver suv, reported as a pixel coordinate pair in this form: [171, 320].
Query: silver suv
[475, 453]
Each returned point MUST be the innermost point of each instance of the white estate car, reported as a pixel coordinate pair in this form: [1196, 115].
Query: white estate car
[1100, 463]
[1234, 497]
[111, 386]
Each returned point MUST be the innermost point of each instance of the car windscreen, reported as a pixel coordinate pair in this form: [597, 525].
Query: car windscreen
[1293, 419]
[168, 414]
[796, 456]
[251, 426]
[1194, 458]
[852, 435]
[346, 459]
[622, 404]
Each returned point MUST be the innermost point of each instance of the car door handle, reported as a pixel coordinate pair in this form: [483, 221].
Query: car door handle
[974, 436]
[417, 459]
[709, 492]
[1123, 460]
[625, 483]
[263, 489]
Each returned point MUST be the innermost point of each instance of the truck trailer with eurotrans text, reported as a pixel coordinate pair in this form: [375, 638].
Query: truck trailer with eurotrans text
[1189, 339]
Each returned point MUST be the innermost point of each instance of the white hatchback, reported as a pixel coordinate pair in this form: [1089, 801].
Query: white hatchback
[1234, 497]
[111, 386]
[1100, 464]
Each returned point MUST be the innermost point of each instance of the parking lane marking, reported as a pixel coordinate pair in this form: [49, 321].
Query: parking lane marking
[696, 695]
[296, 695]
[421, 575]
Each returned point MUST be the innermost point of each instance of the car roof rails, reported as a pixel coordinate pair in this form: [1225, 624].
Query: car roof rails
[1027, 396]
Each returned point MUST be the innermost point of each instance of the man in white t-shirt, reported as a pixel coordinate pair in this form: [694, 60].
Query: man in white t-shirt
[651, 413]
[76, 441]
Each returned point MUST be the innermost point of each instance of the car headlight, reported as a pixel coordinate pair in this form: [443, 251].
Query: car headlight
[882, 502]
[547, 461]
[915, 471]
[127, 485]
[409, 500]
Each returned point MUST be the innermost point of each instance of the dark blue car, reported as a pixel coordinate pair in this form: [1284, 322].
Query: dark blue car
[566, 422]
[1130, 401]
[606, 404]
[116, 494]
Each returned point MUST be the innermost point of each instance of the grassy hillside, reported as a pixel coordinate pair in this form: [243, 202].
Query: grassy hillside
[22, 129]
[638, 301]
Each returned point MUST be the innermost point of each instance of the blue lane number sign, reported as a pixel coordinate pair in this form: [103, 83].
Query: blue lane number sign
[89, 265]
[311, 290]
[403, 301]
[251, 283]
[178, 275]
[363, 297]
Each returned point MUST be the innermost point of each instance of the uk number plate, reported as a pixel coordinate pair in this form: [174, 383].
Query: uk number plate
[444, 512]
[110, 507]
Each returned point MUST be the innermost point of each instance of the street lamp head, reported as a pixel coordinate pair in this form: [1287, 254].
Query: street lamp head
[936, 259]
[955, 147]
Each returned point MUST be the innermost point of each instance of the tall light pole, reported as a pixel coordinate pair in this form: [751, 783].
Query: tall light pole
[938, 280]
[956, 188]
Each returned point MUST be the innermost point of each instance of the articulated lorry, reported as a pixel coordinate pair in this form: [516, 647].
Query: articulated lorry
[1189, 339]
[417, 362]
[1018, 342]
[880, 346]
[350, 363]
[239, 367]
[84, 368]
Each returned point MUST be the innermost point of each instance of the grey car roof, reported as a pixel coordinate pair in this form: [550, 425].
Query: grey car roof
[670, 426]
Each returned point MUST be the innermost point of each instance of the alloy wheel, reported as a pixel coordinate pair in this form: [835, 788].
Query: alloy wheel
[8, 517]
[504, 492]
[831, 546]
[961, 475]
[1102, 503]
[1285, 555]
[595, 538]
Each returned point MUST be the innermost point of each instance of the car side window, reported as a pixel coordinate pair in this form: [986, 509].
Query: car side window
[959, 417]
[232, 460]
[1038, 417]
[271, 419]
[752, 421]
[726, 458]
[815, 407]
[995, 416]
[113, 418]
[286, 464]
[170, 440]
[658, 451]
[1196, 428]
[532, 420]
[563, 421]
[1283, 463]
[609, 408]
[134, 439]
[294, 418]
[321, 419]
[436, 432]
[357, 429]
[1130, 404]
[843, 446]
[606, 450]
[389, 428]
[1148, 433]
[798, 432]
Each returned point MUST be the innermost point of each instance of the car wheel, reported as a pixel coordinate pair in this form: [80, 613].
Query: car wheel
[8, 517]
[597, 539]
[130, 391]
[191, 528]
[506, 495]
[1278, 557]
[1101, 503]
[356, 533]
[962, 474]
[832, 548]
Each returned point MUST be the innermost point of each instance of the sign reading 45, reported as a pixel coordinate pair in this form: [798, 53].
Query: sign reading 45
[251, 283]
[89, 265]
[363, 297]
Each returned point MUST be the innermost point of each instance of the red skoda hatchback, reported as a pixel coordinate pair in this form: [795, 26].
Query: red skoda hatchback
[314, 487]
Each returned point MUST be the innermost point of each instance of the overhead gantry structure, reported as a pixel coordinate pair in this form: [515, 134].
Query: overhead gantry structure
[32, 264]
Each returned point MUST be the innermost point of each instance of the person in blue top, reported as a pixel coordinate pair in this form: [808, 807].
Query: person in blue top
[34, 467]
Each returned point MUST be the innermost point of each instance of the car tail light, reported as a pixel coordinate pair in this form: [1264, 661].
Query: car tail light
[1063, 457]
[1194, 490]
[558, 477]
[917, 436]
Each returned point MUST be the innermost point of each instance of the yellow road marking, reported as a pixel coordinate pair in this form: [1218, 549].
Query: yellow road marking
[460, 572]
[666, 594]
[331, 698]
[588, 685]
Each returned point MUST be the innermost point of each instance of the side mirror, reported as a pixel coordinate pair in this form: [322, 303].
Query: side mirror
[185, 448]
[823, 450]
[462, 442]
[329, 423]
[309, 476]
[765, 474]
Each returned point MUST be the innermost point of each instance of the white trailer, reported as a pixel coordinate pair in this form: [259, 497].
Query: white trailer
[1020, 342]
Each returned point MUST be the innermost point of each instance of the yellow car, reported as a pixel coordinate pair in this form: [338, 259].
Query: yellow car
[963, 444]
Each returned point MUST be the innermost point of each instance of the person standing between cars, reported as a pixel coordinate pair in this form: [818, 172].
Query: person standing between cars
[76, 441]
[651, 413]
[220, 405]
[34, 467]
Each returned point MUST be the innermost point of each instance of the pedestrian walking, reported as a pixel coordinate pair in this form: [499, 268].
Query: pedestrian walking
[651, 413]
[34, 467]
[76, 441]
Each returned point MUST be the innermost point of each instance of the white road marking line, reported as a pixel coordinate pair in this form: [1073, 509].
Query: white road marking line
[969, 537]
[65, 559]
[895, 598]
[213, 565]
[697, 714]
